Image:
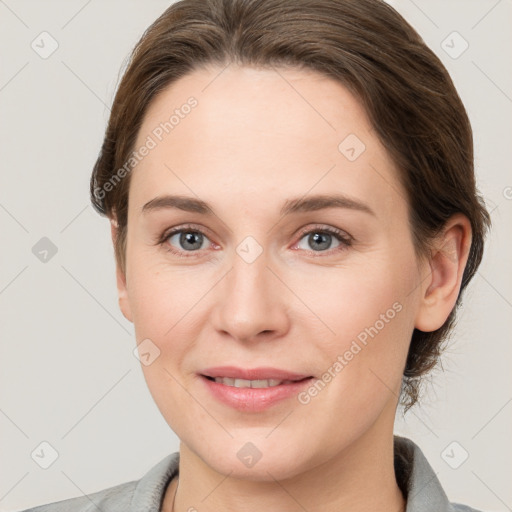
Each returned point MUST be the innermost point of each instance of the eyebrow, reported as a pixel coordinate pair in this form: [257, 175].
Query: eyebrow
[295, 205]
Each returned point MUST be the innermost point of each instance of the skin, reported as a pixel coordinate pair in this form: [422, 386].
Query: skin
[257, 138]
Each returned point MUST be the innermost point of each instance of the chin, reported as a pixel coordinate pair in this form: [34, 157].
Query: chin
[259, 460]
[273, 468]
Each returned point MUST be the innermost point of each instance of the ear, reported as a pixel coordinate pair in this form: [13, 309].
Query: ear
[122, 292]
[447, 262]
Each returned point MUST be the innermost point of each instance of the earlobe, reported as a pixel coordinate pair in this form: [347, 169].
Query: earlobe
[122, 291]
[440, 288]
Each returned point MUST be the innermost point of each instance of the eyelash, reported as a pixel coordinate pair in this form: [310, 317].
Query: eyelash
[344, 239]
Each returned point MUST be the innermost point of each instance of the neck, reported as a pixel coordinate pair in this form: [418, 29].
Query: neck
[360, 479]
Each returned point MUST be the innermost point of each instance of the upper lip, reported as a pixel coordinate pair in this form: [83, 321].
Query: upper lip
[263, 373]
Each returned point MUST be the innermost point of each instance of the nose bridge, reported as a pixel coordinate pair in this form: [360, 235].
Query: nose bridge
[249, 302]
[250, 278]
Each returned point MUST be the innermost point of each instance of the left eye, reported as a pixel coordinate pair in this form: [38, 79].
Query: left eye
[321, 240]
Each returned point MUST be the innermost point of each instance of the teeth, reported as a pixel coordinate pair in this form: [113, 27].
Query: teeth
[243, 383]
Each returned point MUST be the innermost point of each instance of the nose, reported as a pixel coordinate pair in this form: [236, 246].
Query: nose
[251, 302]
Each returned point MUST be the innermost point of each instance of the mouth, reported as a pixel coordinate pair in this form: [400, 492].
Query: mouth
[252, 390]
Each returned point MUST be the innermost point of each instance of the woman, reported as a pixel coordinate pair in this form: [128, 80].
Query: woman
[293, 206]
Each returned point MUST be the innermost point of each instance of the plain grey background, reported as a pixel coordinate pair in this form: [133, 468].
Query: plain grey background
[68, 376]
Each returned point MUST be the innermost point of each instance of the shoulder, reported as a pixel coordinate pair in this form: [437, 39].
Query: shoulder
[418, 480]
[134, 496]
[112, 499]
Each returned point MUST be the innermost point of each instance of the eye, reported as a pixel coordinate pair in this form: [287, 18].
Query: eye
[322, 239]
[188, 240]
[185, 239]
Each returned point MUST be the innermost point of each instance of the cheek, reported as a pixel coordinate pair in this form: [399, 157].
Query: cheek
[370, 314]
[161, 298]
[170, 308]
[165, 304]
[348, 300]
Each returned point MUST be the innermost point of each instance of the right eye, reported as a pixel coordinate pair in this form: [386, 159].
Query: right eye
[185, 239]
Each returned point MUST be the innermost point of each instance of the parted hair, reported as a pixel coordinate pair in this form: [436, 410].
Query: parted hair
[366, 46]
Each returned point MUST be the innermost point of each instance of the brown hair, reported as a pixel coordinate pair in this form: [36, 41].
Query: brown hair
[363, 44]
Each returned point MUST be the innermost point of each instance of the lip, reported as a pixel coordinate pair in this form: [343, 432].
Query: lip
[253, 399]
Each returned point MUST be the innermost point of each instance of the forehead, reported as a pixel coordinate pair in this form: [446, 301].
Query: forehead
[260, 132]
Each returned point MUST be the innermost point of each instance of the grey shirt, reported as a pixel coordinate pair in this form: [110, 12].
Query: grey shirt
[414, 475]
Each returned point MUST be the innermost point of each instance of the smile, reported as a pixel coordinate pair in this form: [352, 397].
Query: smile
[252, 390]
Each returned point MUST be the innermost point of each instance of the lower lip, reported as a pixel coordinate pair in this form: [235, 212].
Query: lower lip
[254, 399]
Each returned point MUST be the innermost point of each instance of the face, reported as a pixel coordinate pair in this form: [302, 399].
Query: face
[268, 241]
